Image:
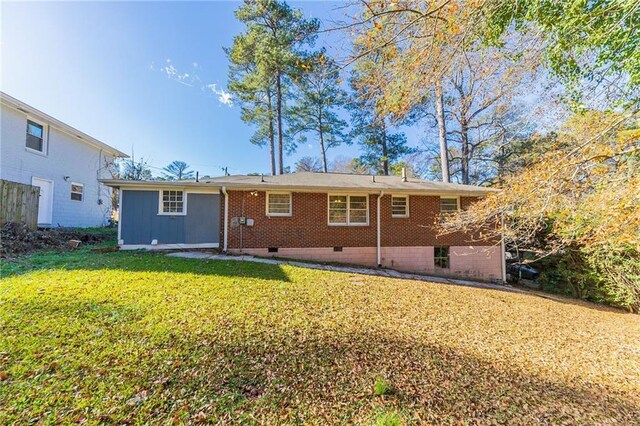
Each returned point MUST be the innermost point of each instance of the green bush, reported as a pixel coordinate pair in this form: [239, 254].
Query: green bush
[608, 275]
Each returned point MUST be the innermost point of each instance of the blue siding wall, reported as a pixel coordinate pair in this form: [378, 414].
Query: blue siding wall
[202, 223]
[141, 223]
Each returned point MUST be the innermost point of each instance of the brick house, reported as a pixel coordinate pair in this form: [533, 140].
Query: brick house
[326, 217]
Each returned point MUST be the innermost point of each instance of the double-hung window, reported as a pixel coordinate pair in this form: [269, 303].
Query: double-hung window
[77, 191]
[278, 204]
[348, 210]
[35, 137]
[399, 206]
[172, 202]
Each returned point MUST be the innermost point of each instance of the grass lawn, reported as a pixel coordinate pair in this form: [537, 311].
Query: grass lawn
[144, 338]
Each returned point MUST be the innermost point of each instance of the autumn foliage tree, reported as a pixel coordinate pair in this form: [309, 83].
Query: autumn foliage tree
[381, 144]
[581, 197]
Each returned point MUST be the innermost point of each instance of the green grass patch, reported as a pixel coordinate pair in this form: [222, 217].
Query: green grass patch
[381, 387]
[137, 337]
[389, 419]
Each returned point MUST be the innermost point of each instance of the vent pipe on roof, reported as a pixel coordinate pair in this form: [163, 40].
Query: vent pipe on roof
[197, 176]
[404, 174]
[261, 177]
[373, 178]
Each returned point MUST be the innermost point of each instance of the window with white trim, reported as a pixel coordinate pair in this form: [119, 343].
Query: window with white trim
[399, 206]
[441, 257]
[278, 204]
[348, 210]
[172, 202]
[35, 136]
[448, 205]
[77, 191]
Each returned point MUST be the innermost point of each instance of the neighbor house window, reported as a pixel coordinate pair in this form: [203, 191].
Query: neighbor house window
[278, 204]
[35, 136]
[348, 210]
[448, 205]
[400, 206]
[77, 189]
[172, 202]
[441, 257]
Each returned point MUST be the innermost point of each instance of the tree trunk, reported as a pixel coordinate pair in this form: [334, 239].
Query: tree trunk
[322, 148]
[279, 117]
[442, 132]
[385, 161]
[464, 133]
[272, 141]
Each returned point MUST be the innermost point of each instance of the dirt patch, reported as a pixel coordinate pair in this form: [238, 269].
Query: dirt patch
[16, 239]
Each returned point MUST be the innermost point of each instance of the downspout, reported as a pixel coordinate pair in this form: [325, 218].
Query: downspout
[226, 219]
[503, 256]
[120, 240]
[378, 249]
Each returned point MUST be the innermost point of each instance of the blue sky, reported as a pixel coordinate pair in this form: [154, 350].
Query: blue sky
[138, 76]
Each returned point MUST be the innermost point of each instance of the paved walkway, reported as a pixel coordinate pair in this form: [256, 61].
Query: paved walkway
[349, 269]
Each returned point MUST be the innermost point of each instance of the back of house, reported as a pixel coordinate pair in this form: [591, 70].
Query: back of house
[64, 163]
[386, 221]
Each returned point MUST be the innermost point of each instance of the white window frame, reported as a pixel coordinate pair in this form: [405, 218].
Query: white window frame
[348, 223]
[161, 211]
[266, 207]
[457, 198]
[45, 137]
[406, 197]
[73, 192]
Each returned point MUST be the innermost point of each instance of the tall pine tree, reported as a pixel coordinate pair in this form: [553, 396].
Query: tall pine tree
[319, 97]
[263, 61]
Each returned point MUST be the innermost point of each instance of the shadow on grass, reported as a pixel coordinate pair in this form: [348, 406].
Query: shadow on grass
[139, 261]
[286, 375]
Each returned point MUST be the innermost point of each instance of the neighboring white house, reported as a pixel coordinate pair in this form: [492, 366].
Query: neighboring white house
[65, 163]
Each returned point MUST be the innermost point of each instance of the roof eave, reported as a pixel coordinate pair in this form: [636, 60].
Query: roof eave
[71, 131]
[117, 183]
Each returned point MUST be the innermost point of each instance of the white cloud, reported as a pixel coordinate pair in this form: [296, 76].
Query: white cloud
[224, 97]
[192, 79]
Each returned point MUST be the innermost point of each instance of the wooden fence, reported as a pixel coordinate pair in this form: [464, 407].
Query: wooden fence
[19, 203]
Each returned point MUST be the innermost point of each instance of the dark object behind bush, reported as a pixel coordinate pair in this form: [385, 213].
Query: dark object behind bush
[523, 271]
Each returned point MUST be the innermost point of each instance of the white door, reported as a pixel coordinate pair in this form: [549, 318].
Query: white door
[45, 207]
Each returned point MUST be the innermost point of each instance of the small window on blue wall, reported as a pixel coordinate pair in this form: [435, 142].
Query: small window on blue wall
[172, 202]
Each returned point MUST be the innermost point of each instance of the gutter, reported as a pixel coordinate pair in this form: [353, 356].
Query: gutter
[226, 219]
[378, 249]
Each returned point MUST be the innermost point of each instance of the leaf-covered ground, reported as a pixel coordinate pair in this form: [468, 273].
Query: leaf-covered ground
[145, 338]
